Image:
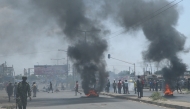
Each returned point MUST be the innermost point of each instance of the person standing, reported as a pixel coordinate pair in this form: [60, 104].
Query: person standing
[126, 87]
[23, 91]
[150, 83]
[50, 87]
[156, 86]
[34, 89]
[15, 89]
[76, 88]
[119, 87]
[108, 86]
[160, 85]
[135, 87]
[114, 86]
[139, 87]
[10, 90]
[123, 85]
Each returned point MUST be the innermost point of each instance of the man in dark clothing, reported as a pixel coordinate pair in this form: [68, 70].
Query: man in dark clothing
[50, 87]
[114, 87]
[76, 88]
[178, 87]
[156, 86]
[150, 85]
[139, 87]
[23, 89]
[119, 87]
[108, 86]
[123, 84]
[15, 89]
[160, 85]
[9, 90]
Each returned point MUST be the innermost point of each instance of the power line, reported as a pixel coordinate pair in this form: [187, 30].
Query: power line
[28, 53]
[152, 15]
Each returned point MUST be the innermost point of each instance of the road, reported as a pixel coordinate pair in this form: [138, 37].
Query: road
[176, 97]
[67, 100]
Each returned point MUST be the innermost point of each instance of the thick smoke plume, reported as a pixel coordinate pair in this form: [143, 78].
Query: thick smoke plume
[165, 41]
[87, 55]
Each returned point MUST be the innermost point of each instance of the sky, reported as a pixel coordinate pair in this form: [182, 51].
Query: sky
[127, 47]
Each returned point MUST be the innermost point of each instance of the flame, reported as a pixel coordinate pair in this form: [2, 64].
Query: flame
[168, 91]
[92, 93]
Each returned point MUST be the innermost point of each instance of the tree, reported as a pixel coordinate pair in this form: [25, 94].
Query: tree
[123, 73]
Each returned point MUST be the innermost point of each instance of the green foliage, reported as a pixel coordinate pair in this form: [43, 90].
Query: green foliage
[123, 73]
[157, 96]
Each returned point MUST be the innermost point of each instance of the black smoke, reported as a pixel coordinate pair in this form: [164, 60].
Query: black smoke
[87, 55]
[165, 41]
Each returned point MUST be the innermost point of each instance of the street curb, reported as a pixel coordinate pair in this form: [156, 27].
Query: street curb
[148, 101]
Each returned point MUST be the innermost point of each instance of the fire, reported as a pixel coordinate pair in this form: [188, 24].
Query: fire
[168, 91]
[92, 93]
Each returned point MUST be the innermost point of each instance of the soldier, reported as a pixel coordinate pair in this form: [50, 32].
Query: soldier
[22, 89]
[9, 90]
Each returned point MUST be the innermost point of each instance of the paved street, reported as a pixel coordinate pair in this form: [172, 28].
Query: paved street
[67, 100]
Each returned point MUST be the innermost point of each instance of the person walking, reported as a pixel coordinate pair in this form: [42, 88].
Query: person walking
[76, 88]
[139, 87]
[135, 87]
[126, 87]
[119, 87]
[23, 91]
[50, 87]
[156, 86]
[178, 87]
[114, 86]
[34, 89]
[10, 90]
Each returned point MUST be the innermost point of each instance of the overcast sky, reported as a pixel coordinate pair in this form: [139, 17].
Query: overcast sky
[45, 44]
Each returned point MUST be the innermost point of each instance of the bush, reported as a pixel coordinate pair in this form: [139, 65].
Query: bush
[157, 96]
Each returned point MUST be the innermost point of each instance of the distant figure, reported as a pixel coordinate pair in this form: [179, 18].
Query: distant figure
[150, 85]
[114, 86]
[108, 86]
[22, 90]
[178, 87]
[50, 87]
[139, 87]
[34, 89]
[76, 88]
[160, 85]
[10, 90]
[15, 89]
[123, 85]
[156, 86]
[126, 87]
[135, 87]
[119, 87]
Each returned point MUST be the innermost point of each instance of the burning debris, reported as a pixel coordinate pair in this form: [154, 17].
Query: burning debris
[92, 93]
[168, 91]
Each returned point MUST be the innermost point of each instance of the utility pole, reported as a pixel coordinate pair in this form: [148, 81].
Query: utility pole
[67, 66]
[58, 60]
[109, 56]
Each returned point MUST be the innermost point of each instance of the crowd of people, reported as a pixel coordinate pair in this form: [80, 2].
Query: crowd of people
[124, 85]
